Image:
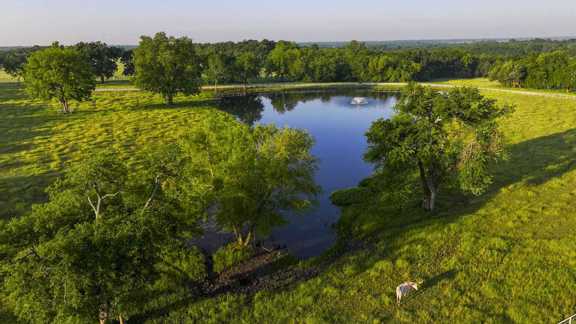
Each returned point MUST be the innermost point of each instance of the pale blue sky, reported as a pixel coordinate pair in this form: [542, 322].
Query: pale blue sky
[26, 22]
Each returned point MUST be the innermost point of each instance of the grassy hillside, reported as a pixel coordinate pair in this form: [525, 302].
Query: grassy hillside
[509, 255]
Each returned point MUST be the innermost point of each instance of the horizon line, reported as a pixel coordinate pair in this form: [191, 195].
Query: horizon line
[442, 39]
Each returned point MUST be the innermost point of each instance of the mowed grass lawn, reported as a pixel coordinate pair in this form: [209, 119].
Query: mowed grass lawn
[507, 256]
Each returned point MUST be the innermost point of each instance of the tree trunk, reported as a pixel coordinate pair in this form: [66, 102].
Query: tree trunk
[215, 87]
[65, 106]
[253, 233]
[429, 202]
[243, 240]
[169, 99]
[120, 319]
[102, 79]
[103, 314]
[429, 188]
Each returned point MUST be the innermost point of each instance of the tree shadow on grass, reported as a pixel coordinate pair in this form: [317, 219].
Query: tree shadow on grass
[267, 271]
[444, 276]
[11, 91]
[19, 193]
[21, 125]
[198, 103]
[19, 122]
[531, 163]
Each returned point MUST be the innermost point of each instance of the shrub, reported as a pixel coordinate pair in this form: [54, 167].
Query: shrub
[231, 255]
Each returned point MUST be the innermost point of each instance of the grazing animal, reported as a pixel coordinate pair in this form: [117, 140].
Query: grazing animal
[404, 289]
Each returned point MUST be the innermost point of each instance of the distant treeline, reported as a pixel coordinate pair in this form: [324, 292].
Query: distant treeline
[504, 47]
[536, 63]
[550, 70]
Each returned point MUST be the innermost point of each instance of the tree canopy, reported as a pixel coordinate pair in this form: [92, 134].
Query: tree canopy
[167, 65]
[218, 67]
[446, 137]
[255, 174]
[59, 73]
[102, 58]
[98, 248]
[537, 63]
[248, 66]
[551, 70]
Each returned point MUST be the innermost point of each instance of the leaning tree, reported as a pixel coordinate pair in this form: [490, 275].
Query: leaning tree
[167, 65]
[59, 73]
[443, 136]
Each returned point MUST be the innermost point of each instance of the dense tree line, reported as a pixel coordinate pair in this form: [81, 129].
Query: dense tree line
[550, 70]
[168, 66]
[537, 63]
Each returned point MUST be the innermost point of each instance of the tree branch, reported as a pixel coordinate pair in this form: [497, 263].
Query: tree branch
[156, 186]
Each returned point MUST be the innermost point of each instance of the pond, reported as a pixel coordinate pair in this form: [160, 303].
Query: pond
[338, 128]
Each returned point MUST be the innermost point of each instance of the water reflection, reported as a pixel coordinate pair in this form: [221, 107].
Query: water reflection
[247, 108]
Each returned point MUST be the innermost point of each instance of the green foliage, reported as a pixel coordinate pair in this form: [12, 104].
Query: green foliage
[283, 60]
[167, 65]
[102, 58]
[254, 174]
[230, 255]
[217, 68]
[127, 60]
[357, 56]
[385, 68]
[350, 196]
[59, 73]
[181, 267]
[442, 136]
[13, 64]
[91, 251]
[248, 66]
[553, 70]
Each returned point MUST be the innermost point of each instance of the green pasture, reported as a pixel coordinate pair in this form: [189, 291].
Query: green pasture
[506, 256]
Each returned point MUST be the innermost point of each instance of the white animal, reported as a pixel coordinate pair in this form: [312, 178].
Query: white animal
[404, 289]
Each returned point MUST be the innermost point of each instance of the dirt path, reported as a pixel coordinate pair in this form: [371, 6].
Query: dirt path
[345, 84]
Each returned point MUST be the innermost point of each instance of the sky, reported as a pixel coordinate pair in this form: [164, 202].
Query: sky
[122, 22]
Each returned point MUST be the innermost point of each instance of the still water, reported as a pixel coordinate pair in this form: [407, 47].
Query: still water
[338, 128]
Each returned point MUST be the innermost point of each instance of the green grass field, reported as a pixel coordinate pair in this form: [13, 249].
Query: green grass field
[509, 255]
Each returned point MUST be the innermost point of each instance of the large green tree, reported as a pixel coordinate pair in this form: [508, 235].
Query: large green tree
[248, 66]
[255, 174]
[59, 73]
[216, 69]
[446, 137]
[99, 247]
[167, 65]
[357, 56]
[102, 58]
[282, 59]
